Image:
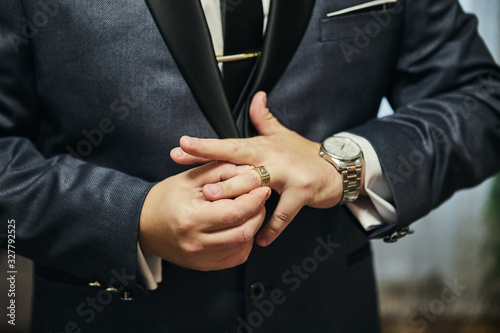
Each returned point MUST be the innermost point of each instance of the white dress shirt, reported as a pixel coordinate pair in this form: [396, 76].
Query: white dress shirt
[373, 210]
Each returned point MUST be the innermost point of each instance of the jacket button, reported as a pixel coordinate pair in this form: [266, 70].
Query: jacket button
[126, 296]
[398, 235]
[94, 284]
[112, 290]
[256, 291]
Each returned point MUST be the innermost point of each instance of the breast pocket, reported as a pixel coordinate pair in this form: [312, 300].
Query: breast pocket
[360, 23]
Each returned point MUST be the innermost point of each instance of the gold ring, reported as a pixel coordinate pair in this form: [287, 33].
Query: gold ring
[265, 177]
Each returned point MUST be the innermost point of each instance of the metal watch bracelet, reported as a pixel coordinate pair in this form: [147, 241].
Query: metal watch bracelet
[351, 181]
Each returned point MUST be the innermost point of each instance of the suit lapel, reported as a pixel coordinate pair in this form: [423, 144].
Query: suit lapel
[288, 21]
[183, 27]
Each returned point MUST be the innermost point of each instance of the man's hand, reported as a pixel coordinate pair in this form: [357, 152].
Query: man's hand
[297, 171]
[181, 226]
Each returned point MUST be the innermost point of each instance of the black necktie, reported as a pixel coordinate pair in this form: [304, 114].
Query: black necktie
[243, 24]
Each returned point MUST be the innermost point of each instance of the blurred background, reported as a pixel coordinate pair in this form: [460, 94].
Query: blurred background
[444, 278]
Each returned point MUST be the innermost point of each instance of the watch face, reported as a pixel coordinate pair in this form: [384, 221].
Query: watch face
[342, 148]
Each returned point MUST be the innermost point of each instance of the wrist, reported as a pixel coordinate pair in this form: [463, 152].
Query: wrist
[146, 221]
[346, 157]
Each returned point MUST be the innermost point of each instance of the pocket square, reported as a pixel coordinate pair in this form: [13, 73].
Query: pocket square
[361, 6]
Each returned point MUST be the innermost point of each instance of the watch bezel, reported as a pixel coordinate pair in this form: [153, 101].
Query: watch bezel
[338, 157]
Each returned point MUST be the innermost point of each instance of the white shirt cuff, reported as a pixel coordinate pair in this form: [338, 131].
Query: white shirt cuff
[376, 208]
[148, 269]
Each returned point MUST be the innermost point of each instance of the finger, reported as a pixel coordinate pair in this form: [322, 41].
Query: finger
[236, 237]
[227, 213]
[233, 187]
[180, 157]
[216, 172]
[237, 151]
[235, 259]
[288, 207]
[228, 258]
[265, 123]
[231, 247]
[228, 247]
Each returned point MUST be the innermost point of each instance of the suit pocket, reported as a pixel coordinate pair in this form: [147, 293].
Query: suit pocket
[366, 23]
[363, 6]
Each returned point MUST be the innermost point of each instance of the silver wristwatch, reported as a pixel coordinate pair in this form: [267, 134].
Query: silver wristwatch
[347, 157]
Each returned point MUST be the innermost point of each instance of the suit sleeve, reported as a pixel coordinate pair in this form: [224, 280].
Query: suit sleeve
[445, 133]
[71, 216]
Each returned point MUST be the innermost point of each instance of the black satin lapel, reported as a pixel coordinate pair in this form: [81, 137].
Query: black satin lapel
[183, 27]
[288, 21]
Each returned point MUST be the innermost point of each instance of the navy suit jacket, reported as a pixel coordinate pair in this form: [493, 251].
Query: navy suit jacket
[94, 95]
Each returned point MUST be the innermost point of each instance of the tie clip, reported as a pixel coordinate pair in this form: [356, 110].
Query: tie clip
[237, 57]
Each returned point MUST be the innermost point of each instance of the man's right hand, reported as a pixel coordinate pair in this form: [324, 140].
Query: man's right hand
[179, 225]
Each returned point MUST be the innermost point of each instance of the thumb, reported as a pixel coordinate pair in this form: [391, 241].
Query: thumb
[265, 123]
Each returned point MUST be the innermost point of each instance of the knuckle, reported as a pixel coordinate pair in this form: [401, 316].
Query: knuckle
[303, 182]
[261, 207]
[226, 167]
[190, 249]
[255, 178]
[222, 166]
[245, 236]
[243, 259]
[280, 223]
[235, 146]
[243, 256]
[226, 187]
[235, 217]
[274, 230]
[282, 217]
[185, 226]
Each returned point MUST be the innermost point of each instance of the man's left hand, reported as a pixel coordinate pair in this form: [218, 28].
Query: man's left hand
[298, 173]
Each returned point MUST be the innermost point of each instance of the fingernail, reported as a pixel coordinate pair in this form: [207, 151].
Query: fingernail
[214, 189]
[178, 152]
[191, 141]
[268, 194]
